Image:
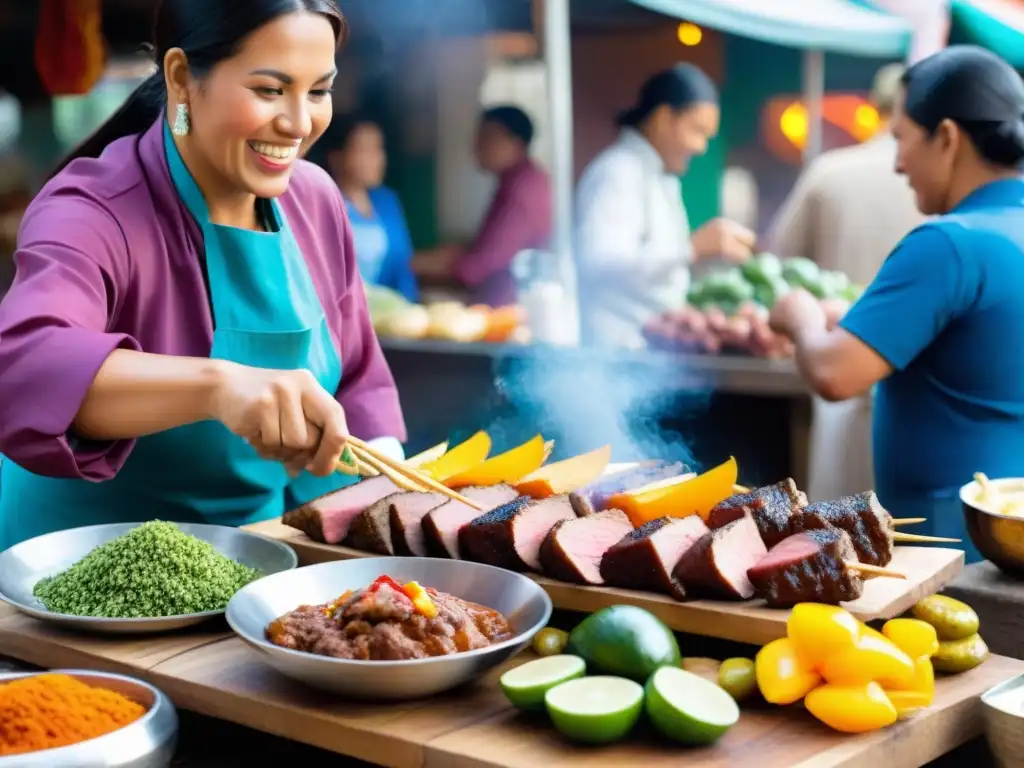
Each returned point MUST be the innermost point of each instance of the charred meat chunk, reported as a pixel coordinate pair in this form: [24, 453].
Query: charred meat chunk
[646, 557]
[716, 566]
[867, 522]
[808, 567]
[573, 549]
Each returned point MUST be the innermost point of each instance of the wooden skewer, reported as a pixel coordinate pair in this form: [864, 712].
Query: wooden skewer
[924, 539]
[874, 570]
[740, 489]
[379, 461]
[365, 469]
[909, 521]
[395, 477]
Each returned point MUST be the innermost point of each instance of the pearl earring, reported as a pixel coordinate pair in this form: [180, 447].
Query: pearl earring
[182, 121]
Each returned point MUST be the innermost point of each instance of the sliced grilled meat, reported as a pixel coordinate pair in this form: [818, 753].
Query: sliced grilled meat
[594, 497]
[772, 508]
[370, 530]
[808, 567]
[327, 519]
[645, 558]
[406, 513]
[716, 566]
[867, 522]
[510, 536]
[573, 549]
[441, 525]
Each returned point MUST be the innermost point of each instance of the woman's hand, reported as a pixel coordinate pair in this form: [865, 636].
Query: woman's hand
[285, 415]
[721, 237]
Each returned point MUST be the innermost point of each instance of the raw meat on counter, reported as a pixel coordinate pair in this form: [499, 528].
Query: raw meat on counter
[716, 566]
[441, 525]
[328, 518]
[573, 550]
[808, 567]
[645, 558]
[510, 536]
[594, 497]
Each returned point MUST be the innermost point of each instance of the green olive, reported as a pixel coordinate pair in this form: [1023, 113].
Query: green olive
[550, 641]
[955, 656]
[952, 619]
[737, 678]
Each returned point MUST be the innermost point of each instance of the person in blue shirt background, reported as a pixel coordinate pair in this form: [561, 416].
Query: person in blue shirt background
[941, 329]
[356, 159]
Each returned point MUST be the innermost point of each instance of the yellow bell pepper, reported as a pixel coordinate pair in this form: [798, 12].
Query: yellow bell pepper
[782, 676]
[874, 658]
[912, 636]
[919, 693]
[821, 631]
[420, 599]
[459, 459]
[851, 708]
[696, 496]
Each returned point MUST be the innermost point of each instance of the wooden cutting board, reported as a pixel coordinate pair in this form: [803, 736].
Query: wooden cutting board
[214, 674]
[928, 569]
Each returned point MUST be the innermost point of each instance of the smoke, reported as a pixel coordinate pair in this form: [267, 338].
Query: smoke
[583, 399]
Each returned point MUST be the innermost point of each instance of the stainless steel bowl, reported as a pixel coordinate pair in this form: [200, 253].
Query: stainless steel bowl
[517, 597]
[999, 538]
[149, 742]
[23, 565]
[1003, 714]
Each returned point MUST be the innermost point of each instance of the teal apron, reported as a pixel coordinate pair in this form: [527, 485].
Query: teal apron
[266, 314]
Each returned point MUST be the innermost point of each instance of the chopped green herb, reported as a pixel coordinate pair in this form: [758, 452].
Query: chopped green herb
[152, 571]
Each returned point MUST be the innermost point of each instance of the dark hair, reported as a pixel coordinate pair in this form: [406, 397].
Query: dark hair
[208, 31]
[979, 92]
[512, 119]
[680, 87]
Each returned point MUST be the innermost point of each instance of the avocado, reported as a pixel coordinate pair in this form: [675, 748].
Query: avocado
[626, 641]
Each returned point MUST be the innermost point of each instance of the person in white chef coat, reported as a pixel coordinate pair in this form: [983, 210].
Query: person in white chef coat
[633, 243]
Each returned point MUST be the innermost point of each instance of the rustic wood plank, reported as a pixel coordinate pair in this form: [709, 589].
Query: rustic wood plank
[928, 569]
[227, 680]
[45, 645]
[765, 737]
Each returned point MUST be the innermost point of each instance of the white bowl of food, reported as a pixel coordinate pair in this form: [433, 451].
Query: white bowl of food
[328, 626]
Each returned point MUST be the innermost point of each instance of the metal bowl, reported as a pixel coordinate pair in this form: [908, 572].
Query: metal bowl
[1003, 714]
[517, 597]
[999, 538]
[149, 742]
[23, 565]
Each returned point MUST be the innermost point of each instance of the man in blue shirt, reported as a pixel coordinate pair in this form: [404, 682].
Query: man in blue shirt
[941, 329]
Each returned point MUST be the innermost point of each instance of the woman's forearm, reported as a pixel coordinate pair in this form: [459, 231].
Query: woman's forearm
[136, 394]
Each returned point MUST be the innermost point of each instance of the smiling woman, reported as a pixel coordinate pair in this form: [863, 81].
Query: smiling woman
[187, 323]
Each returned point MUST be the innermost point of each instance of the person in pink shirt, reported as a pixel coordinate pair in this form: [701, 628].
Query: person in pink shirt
[518, 218]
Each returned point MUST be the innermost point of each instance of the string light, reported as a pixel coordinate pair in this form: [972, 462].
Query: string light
[793, 124]
[689, 34]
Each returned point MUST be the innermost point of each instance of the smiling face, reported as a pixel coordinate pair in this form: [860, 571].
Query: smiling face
[680, 135]
[255, 113]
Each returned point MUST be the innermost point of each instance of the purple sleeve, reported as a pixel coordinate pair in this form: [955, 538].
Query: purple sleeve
[367, 391]
[72, 266]
[514, 221]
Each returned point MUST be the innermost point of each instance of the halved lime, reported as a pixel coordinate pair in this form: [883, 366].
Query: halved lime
[595, 710]
[526, 685]
[688, 708]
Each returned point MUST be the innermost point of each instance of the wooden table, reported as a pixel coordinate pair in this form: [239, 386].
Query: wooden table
[998, 600]
[214, 674]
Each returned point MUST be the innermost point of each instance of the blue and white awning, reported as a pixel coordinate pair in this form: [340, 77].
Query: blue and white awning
[840, 26]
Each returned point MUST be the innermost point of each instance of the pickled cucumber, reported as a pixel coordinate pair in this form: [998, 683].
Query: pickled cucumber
[955, 656]
[550, 642]
[952, 619]
[737, 678]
